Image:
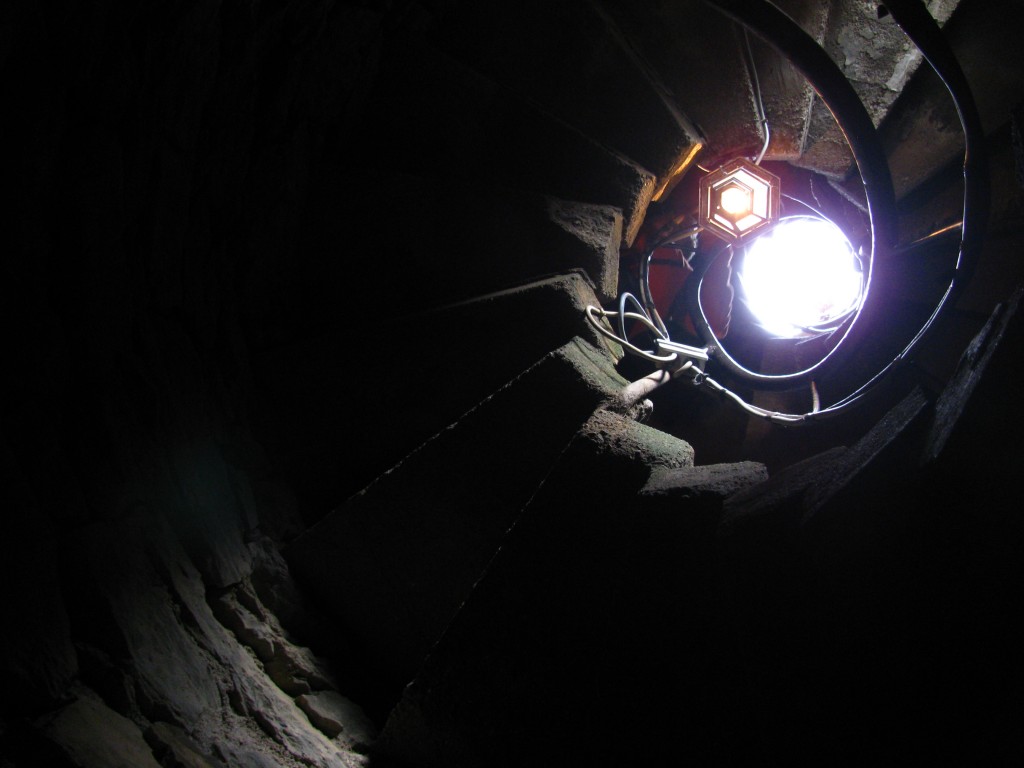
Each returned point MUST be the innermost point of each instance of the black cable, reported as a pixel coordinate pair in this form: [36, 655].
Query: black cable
[768, 22]
[781, 32]
[923, 31]
[831, 85]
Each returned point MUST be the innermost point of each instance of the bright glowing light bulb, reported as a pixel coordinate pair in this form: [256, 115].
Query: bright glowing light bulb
[735, 200]
[801, 275]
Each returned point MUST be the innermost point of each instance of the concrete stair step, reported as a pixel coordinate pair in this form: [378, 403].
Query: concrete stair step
[324, 396]
[395, 561]
[435, 114]
[569, 59]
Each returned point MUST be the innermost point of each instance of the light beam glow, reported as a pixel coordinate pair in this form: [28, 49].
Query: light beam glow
[802, 277]
[735, 200]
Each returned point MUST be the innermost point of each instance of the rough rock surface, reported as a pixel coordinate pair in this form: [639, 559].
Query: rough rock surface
[780, 492]
[223, 672]
[339, 718]
[164, 157]
[208, 676]
[878, 59]
[713, 480]
[94, 736]
[622, 436]
[397, 560]
[172, 746]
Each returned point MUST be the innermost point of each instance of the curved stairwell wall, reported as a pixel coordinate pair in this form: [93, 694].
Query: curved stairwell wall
[309, 457]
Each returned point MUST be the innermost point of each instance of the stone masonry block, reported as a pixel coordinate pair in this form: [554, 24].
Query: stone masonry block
[397, 559]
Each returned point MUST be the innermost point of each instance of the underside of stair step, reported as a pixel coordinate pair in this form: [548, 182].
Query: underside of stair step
[318, 405]
[886, 464]
[786, 93]
[492, 239]
[395, 562]
[435, 115]
[699, 58]
[676, 645]
[568, 59]
[583, 643]
[704, 60]
[637, 446]
[923, 133]
[878, 65]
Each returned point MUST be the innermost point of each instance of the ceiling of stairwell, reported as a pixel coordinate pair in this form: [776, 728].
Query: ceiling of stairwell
[869, 48]
[918, 124]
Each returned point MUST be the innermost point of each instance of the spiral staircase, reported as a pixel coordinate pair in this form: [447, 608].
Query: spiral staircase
[533, 573]
[310, 279]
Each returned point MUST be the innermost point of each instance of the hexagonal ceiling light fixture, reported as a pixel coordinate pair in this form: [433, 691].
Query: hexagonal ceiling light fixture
[738, 200]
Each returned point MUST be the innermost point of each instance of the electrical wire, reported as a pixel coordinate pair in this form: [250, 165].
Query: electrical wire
[669, 238]
[643, 317]
[758, 99]
[596, 314]
[852, 119]
[922, 30]
[645, 292]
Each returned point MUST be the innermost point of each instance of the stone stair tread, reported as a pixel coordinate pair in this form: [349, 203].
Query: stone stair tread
[894, 431]
[878, 66]
[922, 131]
[395, 562]
[312, 391]
[622, 436]
[779, 494]
[566, 57]
[695, 51]
[951, 406]
[493, 240]
[581, 625]
[912, 435]
[717, 481]
[432, 112]
[788, 97]
[836, 482]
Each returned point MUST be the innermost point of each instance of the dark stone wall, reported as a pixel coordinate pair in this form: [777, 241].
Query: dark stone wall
[158, 159]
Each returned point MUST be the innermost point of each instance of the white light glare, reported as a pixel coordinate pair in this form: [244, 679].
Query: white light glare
[801, 275]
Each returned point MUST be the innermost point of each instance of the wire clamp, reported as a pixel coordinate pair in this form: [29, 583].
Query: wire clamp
[686, 353]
